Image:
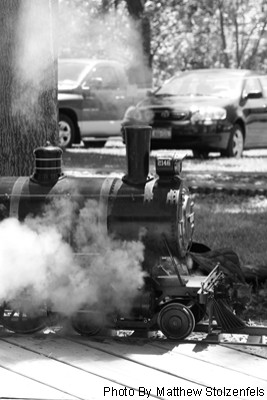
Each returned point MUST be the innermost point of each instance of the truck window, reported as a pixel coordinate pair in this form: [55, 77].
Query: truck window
[108, 76]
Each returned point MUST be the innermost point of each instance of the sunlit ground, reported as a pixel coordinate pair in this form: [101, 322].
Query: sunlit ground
[252, 160]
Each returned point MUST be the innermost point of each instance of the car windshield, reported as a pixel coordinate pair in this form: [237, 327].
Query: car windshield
[70, 72]
[202, 85]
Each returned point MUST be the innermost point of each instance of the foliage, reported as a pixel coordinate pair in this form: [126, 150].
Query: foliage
[86, 31]
[185, 34]
[256, 309]
[203, 34]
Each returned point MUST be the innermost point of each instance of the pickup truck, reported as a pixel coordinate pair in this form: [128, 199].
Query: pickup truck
[93, 96]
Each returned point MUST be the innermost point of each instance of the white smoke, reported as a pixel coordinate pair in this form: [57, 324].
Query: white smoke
[85, 32]
[38, 266]
[35, 56]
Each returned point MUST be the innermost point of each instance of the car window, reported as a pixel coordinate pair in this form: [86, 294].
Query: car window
[252, 85]
[70, 71]
[108, 76]
[195, 84]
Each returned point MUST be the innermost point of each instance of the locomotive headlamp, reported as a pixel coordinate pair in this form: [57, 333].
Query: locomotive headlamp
[168, 166]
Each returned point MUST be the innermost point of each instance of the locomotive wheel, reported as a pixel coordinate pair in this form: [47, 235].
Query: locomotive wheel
[87, 323]
[19, 321]
[176, 321]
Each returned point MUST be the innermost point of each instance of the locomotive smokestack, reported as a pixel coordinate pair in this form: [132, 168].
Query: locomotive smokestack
[137, 140]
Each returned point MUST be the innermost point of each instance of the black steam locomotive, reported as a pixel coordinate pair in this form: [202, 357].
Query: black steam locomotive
[158, 210]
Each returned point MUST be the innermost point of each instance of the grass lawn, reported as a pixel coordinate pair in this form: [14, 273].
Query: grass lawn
[238, 222]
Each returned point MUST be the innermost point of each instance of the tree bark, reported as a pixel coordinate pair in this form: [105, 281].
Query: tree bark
[223, 38]
[136, 11]
[28, 82]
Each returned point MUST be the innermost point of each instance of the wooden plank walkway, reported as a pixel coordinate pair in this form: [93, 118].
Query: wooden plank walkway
[56, 366]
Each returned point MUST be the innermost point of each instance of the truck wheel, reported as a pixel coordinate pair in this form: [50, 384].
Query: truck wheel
[236, 143]
[66, 131]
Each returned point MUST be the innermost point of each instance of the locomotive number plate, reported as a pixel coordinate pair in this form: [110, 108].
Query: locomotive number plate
[161, 133]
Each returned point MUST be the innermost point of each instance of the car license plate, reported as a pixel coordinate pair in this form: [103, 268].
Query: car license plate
[161, 133]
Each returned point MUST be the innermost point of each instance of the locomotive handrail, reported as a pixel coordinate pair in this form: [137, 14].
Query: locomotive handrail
[214, 276]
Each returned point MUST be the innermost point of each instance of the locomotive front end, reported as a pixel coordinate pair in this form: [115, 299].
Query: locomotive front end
[155, 210]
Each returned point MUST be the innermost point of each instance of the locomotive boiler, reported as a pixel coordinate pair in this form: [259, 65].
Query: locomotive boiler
[154, 209]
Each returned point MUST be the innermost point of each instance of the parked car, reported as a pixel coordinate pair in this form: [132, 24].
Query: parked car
[92, 98]
[221, 110]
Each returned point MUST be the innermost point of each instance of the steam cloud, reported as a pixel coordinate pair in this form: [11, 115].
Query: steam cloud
[84, 32]
[34, 58]
[39, 36]
[38, 265]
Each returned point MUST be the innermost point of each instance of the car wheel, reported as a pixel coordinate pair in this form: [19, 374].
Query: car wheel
[66, 131]
[202, 154]
[236, 143]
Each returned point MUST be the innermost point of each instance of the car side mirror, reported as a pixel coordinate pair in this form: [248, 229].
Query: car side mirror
[96, 83]
[92, 83]
[257, 94]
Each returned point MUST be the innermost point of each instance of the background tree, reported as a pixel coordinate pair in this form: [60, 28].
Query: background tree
[179, 34]
[137, 11]
[28, 82]
[106, 29]
[190, 34]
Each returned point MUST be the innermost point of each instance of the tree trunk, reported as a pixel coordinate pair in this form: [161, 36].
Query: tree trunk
[28, 82]
[144, 66]
[223, 37]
